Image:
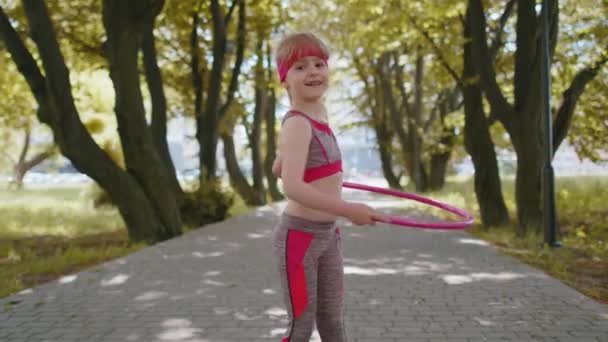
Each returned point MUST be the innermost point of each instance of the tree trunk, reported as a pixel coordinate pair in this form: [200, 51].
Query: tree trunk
[439, 167]
[252, 195]
[271, 147]
[195, 68]
[418, 175]
[386, 157]
[237, 179]
[528, 149]
[522, 118]
[375, 103]
[385, 92]
[479, 144]
[206, 123]
[23, 166]
[261, 102]
[141, 157]
[410, 140]
[448, 102]
[158, 126]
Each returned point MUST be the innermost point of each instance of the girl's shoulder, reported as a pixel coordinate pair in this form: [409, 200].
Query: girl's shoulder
[300, 121]
[314, 123]
[294, 113]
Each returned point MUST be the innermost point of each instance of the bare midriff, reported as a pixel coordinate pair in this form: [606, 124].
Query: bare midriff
[330, 185]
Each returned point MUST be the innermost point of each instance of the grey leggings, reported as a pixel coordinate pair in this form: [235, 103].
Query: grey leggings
[309, 256]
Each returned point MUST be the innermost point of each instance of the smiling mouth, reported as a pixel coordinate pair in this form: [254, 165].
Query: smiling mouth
[314, 83]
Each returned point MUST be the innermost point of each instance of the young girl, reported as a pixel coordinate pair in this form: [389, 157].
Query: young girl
[306, 240]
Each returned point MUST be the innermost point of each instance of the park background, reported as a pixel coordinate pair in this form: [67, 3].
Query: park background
[125, 124]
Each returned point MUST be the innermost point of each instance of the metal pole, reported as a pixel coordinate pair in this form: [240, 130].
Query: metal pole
[549, 221]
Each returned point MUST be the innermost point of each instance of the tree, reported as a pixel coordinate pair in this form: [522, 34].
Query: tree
[478, 140]
[403, 73]
[207, 119]
[158, 125]
[578, 73]
[17, 126]
[187, 47]
[521, 117]
[142, 193]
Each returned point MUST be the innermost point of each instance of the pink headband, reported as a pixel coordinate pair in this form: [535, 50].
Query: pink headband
[305, 51]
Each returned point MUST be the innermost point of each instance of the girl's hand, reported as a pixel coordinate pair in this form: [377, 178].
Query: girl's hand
[361, 214]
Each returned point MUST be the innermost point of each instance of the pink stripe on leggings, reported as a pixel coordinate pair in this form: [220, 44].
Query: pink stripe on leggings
[297, 245]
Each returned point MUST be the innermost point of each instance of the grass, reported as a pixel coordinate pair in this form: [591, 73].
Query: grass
[48, 232]
[582, 261]
[31, 261]
[582, 217]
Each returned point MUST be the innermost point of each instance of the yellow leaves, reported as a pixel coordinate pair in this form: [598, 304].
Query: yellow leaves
[95, 126]
[580, 232]
[233, 113]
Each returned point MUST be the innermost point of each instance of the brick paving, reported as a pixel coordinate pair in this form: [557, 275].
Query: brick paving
[218, 284]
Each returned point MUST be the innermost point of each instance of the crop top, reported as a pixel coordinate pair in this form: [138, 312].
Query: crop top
[324, 157]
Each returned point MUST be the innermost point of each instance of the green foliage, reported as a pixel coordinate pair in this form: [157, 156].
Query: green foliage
[40, 259]
[209, 203]
[581, 205]
[583, 259]
[97, 196]
[52, 211]
[49, 232]
[590, 122]
[584, 42]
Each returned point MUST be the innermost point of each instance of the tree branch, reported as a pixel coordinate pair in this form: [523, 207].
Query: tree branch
[429, 122]
[197, 77]
[27, 66]
[438, 51]
[230, 10]
[498, 33]
[39, 158]
[570, 98]
[501, 108]
[370, 100]
[240, 52]
[57, 75]
[406, 108]
[26, 145]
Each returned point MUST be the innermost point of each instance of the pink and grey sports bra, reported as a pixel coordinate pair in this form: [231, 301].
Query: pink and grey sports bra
[324, 157]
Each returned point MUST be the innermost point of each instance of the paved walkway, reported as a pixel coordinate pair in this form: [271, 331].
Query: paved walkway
[218, 284]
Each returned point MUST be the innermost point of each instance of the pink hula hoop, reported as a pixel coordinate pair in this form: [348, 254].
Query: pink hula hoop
[467, 219]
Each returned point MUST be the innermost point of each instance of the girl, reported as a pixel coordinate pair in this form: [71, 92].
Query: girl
[306, 240]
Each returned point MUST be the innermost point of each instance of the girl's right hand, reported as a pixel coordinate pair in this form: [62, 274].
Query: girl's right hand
[361, 214]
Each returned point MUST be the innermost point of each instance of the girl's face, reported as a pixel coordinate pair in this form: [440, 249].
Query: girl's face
[307, 79]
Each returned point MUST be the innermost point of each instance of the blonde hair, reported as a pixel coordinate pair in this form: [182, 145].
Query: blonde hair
[297, 45]
[291, 44]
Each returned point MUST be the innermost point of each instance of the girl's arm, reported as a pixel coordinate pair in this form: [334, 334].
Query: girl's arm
[293, 146]
[276, 166]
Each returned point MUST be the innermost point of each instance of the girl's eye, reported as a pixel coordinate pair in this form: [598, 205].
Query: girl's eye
[320, 65]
